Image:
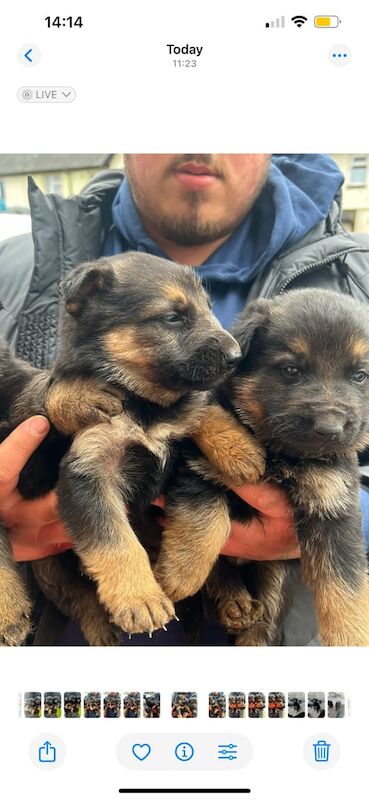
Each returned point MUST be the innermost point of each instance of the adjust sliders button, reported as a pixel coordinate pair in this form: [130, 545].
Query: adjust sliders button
[46, 94]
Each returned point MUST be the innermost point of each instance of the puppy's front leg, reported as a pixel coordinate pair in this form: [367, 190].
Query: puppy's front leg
[96, 479]
[333, 557]
[230, 447]
[15, 606]
[75, 403]
[198, 526]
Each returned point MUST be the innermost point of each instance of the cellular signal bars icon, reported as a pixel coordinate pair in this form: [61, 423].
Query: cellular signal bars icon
[279, 22]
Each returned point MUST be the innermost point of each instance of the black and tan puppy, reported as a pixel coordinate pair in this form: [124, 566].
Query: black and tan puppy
[140, 328]
[302, 390]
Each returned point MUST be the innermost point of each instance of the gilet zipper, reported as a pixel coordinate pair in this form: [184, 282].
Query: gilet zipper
[323, 263]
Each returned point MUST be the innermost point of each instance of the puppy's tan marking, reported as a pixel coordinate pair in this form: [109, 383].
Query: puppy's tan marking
[134, 366]
[300, 346]
[15, 609]
[75, 403]
[343, 614]
[175, 294]
[359, 348]
[230, 447]
[123, 347]
[323, 490]
[127, 588]
[185, 562]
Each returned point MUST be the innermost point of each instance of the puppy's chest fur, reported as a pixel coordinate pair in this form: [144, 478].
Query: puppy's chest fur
[150, 436]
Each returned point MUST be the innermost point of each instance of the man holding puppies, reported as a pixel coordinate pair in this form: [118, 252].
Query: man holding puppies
[252, 226]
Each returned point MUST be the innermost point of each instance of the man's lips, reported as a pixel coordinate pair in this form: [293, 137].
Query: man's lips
[195, 176]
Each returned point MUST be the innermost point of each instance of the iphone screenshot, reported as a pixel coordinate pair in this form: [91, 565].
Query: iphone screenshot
[184, 399]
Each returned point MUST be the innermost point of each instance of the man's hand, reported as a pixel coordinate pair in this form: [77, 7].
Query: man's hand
[271, 536]
[34, 525]
[36, 530]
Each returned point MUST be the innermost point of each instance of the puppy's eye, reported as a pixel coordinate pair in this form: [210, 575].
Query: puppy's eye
[173, 317]
[291, 372]
[359, 377]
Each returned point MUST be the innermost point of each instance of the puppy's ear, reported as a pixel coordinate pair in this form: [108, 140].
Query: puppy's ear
[254, 317]
[84, 283]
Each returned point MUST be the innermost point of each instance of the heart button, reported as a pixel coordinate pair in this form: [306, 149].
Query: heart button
[141, 751]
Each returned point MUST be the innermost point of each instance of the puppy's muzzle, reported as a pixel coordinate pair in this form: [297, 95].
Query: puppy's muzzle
[230, 349]
[329, 424]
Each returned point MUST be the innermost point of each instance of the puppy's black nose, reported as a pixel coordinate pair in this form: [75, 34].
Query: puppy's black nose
[328, 427]
[233, 355]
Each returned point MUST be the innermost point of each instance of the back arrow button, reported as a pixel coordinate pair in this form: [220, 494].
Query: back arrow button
[29, 54]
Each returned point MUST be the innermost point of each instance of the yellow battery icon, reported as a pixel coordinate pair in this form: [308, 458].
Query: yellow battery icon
[326, 22]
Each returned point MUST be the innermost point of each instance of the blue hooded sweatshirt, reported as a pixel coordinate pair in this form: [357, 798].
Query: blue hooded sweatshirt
[297, 195]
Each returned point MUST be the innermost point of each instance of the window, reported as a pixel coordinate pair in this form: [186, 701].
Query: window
[2, 196]
[54, 183]
[348, 220]
[359, 170]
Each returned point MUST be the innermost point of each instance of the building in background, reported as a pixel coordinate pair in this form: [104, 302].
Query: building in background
[63, 174]
[355, 197]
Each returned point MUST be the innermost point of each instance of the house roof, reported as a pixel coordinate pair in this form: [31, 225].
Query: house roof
[13, 164]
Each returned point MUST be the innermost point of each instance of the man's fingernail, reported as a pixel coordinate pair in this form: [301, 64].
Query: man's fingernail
[38, 425]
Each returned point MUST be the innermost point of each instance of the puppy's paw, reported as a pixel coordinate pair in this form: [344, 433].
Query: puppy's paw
[180, 578]
[259, 635]
[102, 405]
[145, 614]
[15, 611]
[247, 465]
[238, 612]
[79, 403]
[99, 631]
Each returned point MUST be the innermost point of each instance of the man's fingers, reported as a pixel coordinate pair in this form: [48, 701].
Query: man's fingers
[23, 514]
[256, 543]
[17, 448]
[48, 541]
[267, 498]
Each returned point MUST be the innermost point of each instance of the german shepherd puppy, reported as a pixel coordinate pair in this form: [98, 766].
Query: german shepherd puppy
[139, 332]
[302, 391]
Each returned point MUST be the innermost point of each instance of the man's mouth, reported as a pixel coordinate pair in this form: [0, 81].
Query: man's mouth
[196, 176]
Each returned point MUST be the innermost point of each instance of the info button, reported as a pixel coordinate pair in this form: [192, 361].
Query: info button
[46, 94]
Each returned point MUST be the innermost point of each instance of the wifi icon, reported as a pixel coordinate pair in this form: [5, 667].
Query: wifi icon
[299, 20]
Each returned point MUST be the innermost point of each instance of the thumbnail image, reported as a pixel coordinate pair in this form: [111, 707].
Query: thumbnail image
[92, 705]
[112, 705]
[276, 705]
[336, 705]
[217, 705]
[256, 705]
[72, 705]
[237, 705]
[132, 705]
[184, 705]
[52, 705]
[151, 705]
[296, 704]
[316, 705]
[32, 704]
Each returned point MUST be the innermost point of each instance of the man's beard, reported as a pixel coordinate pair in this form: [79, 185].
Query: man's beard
[191, 229]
